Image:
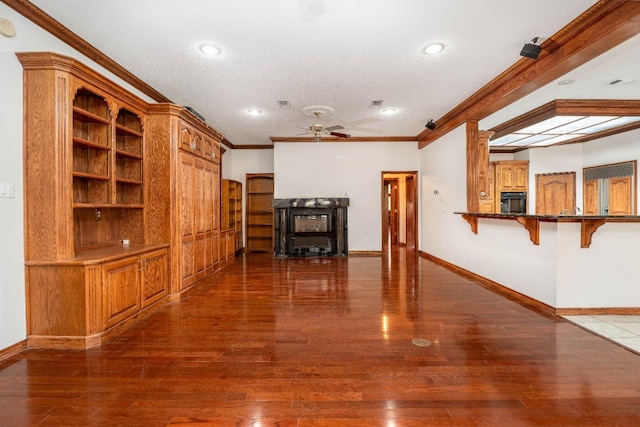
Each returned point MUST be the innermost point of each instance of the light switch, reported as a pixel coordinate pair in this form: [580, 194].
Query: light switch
[6, 189]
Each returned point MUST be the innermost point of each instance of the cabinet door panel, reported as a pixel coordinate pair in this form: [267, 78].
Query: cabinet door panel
[121, 290]
[208, 195]
[188, 273]
[154, 282]
[200, 256]
[186, 195]
[520, 177]
[555, 193]
[199, 204]
[620, 196]
[590, 196]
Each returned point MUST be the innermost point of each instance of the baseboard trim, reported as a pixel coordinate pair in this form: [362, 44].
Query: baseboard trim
[364, 253]
[12, 350]
[490, 284]
[625, 311]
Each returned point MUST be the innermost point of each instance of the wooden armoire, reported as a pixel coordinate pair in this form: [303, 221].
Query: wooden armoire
[189, 164]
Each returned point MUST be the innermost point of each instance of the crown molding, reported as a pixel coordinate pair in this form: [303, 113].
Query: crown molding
[602, 27]
[47, 23]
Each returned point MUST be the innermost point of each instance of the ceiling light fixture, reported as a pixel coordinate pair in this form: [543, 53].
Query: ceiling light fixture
[433, 48]
[531, 50]
[566, 121]
[254, 112]
[389, 111]
[211, 50]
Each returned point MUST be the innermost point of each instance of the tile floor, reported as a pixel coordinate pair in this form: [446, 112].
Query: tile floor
[624, 330]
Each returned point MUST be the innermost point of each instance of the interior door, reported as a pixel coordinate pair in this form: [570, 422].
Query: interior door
[555, 193]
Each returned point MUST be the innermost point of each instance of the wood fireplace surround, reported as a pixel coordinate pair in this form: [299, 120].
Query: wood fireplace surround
[310, 227]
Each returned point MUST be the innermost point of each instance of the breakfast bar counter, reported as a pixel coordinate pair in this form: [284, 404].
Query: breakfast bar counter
[588, 223]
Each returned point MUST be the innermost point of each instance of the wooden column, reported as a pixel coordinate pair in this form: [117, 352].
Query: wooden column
[473, 157]
[485, 193]
[477, 166]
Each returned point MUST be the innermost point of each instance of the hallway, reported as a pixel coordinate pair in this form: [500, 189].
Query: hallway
[358, 341]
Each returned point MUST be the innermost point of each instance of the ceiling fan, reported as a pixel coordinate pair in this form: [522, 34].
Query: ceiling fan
[319, 129]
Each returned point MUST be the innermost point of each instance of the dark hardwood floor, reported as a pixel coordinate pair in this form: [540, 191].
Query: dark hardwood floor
[332, 342]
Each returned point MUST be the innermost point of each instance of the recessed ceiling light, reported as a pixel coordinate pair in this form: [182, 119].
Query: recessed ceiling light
[389, 111]
[433, 48]
[211, 50]
[254, 112]
[566, 82]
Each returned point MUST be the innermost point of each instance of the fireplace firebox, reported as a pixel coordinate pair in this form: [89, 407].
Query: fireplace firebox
[310, 227]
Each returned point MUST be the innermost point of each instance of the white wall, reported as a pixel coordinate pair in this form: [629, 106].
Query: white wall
[28, 37]
[237, 163]
[557, 272]
[501, 251]
[344, 169]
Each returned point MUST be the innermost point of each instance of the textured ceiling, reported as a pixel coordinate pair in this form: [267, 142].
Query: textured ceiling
[339, 53]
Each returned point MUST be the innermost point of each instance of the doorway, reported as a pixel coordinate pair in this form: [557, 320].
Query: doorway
[399, 210]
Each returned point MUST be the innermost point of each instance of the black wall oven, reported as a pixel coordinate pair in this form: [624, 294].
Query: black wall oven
[513, 202]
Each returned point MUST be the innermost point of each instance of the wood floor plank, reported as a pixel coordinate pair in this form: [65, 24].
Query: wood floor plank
[359, 341]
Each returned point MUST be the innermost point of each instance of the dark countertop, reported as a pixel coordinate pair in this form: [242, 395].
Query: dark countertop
[552, 218]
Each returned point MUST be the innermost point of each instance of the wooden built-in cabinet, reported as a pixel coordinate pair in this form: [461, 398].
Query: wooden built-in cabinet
[512, 175]
[191, 158]
[509, 176]
[259, 212]
[227, 246]
[122, 203]
[86, 196]
[231, 210]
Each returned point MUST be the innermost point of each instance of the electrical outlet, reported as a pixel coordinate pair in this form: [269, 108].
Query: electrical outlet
[6, 189]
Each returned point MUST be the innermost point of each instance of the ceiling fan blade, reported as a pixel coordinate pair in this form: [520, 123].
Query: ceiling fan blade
[336, 127]
[340, 135]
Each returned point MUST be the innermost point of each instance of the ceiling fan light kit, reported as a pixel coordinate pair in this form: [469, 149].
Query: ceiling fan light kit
[318, 129]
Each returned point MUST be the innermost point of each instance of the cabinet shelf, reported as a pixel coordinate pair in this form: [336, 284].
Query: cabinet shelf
[128, 181]
[91, 176]
[88, 117]
[83, 143]
[122, 153]
[122, 130]
[108, 206]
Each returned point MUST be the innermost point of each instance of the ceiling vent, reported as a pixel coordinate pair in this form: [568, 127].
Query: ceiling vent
[195, 113]
[376, 103]
[622, 82]
[284, 103]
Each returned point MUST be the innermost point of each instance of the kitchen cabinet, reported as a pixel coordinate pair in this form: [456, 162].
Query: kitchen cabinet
[509, 176]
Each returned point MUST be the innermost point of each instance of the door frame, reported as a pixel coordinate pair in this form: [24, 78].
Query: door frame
[408, 198]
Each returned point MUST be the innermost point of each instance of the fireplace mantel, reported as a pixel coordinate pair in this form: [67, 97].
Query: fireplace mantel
[310, 226]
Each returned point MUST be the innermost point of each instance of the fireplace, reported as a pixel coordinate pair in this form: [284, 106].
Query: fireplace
[310, 227]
